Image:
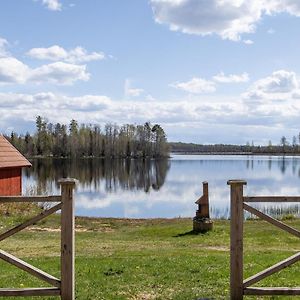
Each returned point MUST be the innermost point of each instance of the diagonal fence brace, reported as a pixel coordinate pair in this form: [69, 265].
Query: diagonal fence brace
[37, 218]
[29, 268]
[271, 270]
[271, 220]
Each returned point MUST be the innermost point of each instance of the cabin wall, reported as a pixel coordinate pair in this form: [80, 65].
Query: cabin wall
[11, 181]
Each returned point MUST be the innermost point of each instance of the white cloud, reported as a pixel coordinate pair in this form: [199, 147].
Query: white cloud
[213, 119]
[56, 53]
[130, 91]
[202, 86]
[53, 5]
[52, 53]
[280, 85]
[273, 100]
[14, 71]
[3, 45]
[134, 92]
[231, 78]
[226, 18]
[248, 42]
[59, 73]
[150, 98]
[80, 55]
[196, 86]
[100, 109]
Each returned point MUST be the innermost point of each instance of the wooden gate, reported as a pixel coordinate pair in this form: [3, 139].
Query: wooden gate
[238, 203]
[63, 287]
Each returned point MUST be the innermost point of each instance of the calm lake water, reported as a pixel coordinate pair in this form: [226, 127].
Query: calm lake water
[164, 188]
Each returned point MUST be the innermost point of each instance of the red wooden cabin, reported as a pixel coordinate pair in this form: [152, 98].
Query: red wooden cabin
[11, 164]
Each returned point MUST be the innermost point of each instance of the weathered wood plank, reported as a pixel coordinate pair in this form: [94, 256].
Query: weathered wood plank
[67, 240]
[272, 291]
[271, 270]
[9, 199]
[271, 220]
[30, 292]
[272, 199]
[37, 218]
[29, 268]
[236, 239]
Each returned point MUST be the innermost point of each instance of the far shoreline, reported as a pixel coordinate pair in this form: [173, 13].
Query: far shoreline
[279, 154]
[234, 153]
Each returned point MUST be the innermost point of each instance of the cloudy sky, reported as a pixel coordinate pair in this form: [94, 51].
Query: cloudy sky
[209, 71]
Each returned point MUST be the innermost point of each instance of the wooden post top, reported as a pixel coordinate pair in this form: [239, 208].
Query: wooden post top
[205, 189]
[68, 181]
[237, 182]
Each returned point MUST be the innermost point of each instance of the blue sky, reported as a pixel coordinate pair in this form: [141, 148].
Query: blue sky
[209, 71]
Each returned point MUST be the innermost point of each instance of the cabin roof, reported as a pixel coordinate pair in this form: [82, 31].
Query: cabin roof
[10, 156]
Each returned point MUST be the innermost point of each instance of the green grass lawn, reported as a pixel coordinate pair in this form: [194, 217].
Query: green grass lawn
[149, 259]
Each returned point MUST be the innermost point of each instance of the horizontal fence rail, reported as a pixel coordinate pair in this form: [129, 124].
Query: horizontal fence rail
[29, 292]
[238, 286]
[10, 199]
[272, 199]
[63, 287]
[274, 291]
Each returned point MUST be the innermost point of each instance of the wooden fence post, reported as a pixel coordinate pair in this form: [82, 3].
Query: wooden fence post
[205, 207]
[67, 239]
[236, 238]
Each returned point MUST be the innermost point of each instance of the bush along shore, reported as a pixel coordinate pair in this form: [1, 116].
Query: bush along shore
[148, 259]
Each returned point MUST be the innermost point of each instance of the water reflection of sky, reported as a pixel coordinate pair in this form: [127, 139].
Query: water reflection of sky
[172, 188]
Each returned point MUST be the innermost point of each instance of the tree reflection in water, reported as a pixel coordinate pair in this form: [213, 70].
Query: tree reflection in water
[124, 174]
[281, 161]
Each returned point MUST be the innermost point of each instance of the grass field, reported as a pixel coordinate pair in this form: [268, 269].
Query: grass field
[149, 259]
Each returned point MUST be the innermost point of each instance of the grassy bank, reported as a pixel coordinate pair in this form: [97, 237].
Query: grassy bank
[148, 259]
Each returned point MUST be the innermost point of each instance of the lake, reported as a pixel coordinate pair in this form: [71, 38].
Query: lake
[165, 188]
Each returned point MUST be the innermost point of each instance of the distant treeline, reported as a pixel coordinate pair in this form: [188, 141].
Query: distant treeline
[74, 140]
[283, 148]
